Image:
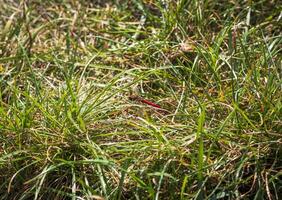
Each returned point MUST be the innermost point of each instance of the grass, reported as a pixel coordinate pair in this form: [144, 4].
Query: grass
[69, 129]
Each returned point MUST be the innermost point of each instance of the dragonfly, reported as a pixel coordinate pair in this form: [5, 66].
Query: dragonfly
[149, 103]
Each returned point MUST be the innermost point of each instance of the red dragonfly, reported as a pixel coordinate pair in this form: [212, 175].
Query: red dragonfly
[136, 98]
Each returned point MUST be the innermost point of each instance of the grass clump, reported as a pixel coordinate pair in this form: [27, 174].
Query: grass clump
[70, 128]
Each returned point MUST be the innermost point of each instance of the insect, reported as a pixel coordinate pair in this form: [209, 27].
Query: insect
[136, 98]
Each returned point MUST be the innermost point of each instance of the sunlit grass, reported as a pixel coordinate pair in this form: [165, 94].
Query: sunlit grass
[69, 129]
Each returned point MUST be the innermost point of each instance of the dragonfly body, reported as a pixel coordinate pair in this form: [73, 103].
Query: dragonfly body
[136, 98]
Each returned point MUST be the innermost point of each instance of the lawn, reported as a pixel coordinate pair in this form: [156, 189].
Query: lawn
[140, 99]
